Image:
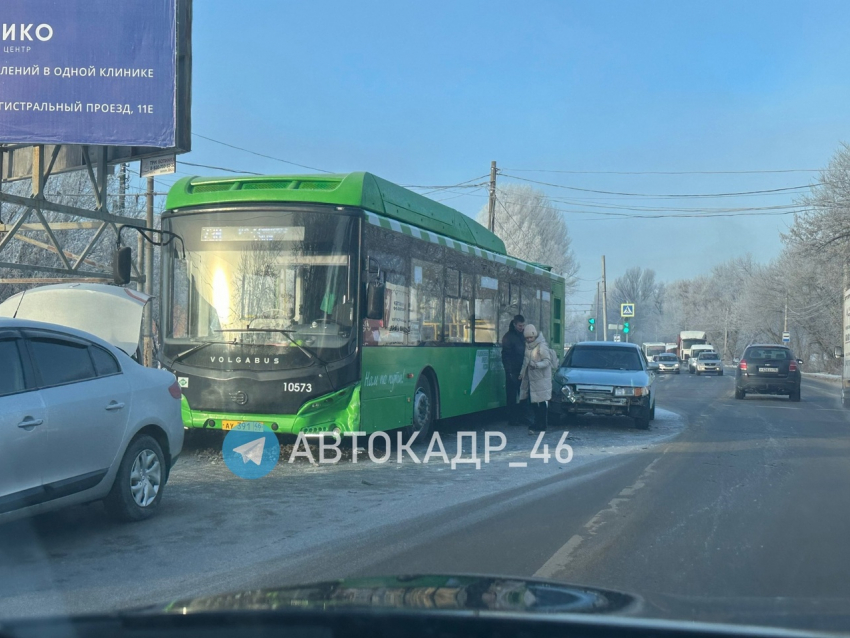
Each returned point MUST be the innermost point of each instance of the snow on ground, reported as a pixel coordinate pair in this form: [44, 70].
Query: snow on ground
[216, 532]
[309, 502]
[835, 378]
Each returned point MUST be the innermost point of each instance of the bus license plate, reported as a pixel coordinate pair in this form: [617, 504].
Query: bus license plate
[229, 425]
[768, 369]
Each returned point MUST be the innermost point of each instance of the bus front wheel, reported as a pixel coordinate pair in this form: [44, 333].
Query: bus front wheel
[424, 409]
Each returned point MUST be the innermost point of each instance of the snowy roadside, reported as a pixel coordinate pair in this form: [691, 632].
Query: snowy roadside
[823, 376]
[366, 494]
[216, 532]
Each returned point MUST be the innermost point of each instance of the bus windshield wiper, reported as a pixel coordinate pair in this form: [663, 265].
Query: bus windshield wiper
[308, 351]
[194, 349]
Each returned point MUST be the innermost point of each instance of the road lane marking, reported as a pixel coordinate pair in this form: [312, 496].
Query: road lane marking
[562, 558]
[518, 464]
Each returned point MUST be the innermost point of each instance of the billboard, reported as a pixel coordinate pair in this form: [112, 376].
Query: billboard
[95, 72]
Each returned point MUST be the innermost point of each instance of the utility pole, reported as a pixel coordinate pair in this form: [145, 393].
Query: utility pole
[147, 330]
[598, 316]
[785, 328]
[604, 303]
[491, 217]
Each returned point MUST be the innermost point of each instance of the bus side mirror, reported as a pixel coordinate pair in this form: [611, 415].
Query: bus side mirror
[838, 352]
[121, 262]
[375, 300]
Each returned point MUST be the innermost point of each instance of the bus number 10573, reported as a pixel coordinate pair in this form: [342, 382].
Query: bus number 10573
[297, 387]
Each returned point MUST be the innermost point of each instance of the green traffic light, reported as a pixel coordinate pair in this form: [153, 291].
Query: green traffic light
[626, 327]
[591, 324]
[591, 321]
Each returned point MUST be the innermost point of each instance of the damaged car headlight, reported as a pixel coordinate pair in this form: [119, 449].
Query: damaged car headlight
[631, 392]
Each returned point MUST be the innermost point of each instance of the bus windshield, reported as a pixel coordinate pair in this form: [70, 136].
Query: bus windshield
[264, 278]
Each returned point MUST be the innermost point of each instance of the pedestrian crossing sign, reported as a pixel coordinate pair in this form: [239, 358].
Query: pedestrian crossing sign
[627, 310]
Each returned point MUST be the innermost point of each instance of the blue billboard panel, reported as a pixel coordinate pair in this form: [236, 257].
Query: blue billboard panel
[88, 72]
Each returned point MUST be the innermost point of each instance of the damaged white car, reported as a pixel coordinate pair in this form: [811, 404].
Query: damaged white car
[605, 378]
[80, 420]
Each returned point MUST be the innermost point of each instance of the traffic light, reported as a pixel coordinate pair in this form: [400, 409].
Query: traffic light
[591, 324]
[626, 327]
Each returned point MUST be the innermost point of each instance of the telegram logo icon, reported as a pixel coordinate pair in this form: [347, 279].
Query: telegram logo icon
[251, 450]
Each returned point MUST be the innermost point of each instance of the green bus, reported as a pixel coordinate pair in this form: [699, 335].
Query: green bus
[323, 304]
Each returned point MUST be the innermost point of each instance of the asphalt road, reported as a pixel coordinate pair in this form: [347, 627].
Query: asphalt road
[743, 518]
[736, 511]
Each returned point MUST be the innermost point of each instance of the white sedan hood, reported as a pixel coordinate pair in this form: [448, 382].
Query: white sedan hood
[112, 313]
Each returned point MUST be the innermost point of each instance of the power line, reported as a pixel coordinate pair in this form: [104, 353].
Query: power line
[708, 213]
[466, 184]
[277, 159]
[219, 168]
[754, 172]
[669, 209]
[674, 196]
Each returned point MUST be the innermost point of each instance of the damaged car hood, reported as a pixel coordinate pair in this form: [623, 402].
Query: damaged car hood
[112, 313]
[589, 376]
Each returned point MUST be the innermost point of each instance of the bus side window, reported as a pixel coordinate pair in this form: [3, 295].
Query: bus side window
[506, 313]
[546, 315]
[458, 325]
[531, 306]
[426, 303]
[486, 293]
[390, 250]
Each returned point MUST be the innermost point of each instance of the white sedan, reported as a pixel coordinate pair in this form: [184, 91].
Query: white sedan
[80, 420]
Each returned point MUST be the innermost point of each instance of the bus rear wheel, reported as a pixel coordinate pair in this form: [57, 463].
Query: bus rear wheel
[424, 409]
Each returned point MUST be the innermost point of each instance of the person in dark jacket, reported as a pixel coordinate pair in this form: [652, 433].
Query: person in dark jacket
[513, 354]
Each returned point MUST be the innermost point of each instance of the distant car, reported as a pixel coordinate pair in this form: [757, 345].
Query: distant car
[80, 420]
[607, 378]
[768, 369]
[709, 363]
[668, 362]
[692, 361]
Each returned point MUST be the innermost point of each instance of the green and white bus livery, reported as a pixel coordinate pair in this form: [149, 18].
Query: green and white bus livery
[337, 303]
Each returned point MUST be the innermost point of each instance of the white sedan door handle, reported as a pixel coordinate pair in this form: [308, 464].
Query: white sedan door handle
[30, 422]
[114, 406]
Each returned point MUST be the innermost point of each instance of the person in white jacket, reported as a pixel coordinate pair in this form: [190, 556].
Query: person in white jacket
[536, 378]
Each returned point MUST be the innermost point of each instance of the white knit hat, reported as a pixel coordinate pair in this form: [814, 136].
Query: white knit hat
[530, 330]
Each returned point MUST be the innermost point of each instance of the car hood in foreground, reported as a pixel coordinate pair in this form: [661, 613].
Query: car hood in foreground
[112, 313]
[446, 593]
[633, 378]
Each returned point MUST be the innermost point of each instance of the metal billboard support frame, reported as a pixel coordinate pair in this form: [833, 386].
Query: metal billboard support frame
[37, 203]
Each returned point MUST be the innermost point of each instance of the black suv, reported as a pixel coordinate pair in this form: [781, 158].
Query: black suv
[768, 369]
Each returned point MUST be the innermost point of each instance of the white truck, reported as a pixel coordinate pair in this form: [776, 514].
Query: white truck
[653, 348]
[689, 338]
[694, 354]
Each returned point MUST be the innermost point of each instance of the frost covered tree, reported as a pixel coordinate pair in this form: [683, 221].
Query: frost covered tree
[33, 247]
[533, 229]
[638, 286]
[824, 229]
